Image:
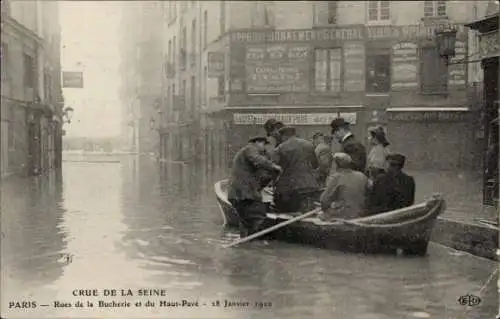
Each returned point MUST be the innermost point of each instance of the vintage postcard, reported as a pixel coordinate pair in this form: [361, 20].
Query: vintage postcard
[249, 159]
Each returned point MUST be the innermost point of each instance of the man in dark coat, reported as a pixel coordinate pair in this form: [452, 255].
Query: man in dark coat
[244, 185]
[323, 151]
[350, 145]
[297, 186]
[393, 190]
[271, 127]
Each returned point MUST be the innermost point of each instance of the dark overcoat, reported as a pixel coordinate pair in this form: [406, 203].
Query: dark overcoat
[297, 158]
[392, 191]
[357, 151]
[244, 182]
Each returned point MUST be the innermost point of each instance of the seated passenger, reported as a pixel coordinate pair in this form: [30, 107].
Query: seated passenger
[392, 190]
[324, 155]
[297, 188]
[346, 190]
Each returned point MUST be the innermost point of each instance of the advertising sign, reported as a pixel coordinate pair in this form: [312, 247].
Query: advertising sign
[72, 79]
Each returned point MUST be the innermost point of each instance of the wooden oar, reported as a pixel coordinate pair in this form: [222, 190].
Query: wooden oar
[273, 228]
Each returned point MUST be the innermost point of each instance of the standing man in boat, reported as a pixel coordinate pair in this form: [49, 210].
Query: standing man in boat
[271, 127]
[346, 190]
[393, 190]
[350, 145]
[297, 186]
[323, 151]
[244, 185]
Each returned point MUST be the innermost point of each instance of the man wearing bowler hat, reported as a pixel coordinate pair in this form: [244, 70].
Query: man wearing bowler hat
[350, 145]
[393, 190]
[244, 185]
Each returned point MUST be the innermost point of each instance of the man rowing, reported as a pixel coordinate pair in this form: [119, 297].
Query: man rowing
[297, 186]
[244, 184]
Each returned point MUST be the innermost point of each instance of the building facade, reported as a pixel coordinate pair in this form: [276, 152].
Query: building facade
[486, 53]
[232, 65]
[32, 101]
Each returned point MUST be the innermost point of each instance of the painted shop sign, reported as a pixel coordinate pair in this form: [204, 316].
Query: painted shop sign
[292, 118]
[215, 64]
[72, 79]
[489, 45]
[354, 66]
[457, 71]
[424, 116]
[348, 33]
[277, 68]
[358, 33]
[405, 65]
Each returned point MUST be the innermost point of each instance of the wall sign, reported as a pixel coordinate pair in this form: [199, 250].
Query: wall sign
[489, 45]
[354, 66]
[215, 64]
[405, 65]
[277, 68]
[428, 116]
[457, 72]
[292, 118]
[343, 33]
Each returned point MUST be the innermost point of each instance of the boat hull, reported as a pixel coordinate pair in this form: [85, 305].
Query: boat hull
[406, 230]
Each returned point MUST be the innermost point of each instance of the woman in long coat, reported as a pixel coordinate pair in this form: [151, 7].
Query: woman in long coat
[376, 161]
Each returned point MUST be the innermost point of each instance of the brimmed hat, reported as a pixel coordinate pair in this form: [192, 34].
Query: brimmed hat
[338, 123]
[269, 125]
[342, 160]
[318, 134]
[379, 134]
[396, 159]
[257, 139]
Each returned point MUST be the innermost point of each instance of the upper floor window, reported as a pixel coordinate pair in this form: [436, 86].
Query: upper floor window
[29, 71]
[379, 11]
[328, 70]
[262, 14]
[222, 20]
[378, 72]
[169, 51]
[205, 29]
[4, 60]
[325, 12]
[434, 8]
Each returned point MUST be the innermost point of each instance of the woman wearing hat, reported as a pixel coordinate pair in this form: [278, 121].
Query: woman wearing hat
[376, 161]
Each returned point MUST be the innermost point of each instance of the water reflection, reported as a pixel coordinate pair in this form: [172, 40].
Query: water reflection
[138, 224]
[32, 240]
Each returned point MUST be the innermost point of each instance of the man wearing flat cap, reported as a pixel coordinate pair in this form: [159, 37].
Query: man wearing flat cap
[350, 145]
[393, 190]
[244, 184]
[297, 188]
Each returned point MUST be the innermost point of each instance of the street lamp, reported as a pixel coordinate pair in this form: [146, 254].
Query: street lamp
[445, 40]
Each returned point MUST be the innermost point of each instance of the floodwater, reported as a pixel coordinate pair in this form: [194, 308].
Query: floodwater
[134, 225]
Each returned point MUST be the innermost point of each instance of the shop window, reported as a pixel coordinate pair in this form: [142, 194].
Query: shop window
[433, 71]
[434, 9]
[29, 71]
[328, 70]
[379, 11]
[378, 73]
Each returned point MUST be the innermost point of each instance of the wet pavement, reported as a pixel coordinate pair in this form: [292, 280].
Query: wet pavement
[132, 225]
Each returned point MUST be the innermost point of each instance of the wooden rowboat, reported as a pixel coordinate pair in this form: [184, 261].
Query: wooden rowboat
[407, 229]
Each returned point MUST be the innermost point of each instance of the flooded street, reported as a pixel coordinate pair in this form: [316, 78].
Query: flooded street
[132, 225]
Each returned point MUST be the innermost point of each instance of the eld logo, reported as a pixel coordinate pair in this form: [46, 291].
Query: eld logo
[469, 300]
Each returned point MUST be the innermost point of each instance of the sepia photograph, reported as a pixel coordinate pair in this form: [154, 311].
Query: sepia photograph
[249, 159]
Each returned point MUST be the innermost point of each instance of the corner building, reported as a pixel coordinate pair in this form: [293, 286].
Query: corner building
[232, 65]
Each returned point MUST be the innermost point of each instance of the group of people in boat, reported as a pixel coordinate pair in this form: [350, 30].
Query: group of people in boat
[306, 174]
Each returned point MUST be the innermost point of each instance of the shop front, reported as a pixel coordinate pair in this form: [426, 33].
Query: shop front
[308, 120]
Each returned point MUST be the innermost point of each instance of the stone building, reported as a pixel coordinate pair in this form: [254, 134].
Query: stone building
[229, 65]
[31, 133]
[141, 69]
